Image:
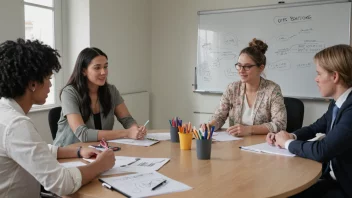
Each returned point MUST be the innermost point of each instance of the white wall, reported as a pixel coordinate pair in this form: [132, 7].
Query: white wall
[122, 29]
[76, 32]
[11, 20]
[174, 41]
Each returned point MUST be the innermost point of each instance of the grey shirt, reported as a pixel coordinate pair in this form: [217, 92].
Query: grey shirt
[70, 102]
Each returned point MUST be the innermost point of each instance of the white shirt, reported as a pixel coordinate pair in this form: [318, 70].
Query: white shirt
[26, 161]
[246, 113]
[339, 102]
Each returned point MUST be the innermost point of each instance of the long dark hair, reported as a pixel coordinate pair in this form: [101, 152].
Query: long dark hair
[79, 82]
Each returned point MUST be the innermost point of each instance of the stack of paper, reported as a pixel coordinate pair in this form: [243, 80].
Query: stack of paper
[224, 136]
[143, 184]
[125, 164]
[266, 148]
[144, 142]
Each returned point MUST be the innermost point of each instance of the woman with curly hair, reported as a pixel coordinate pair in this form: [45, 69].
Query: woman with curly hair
[254, 105]
[26, 161]
[89, 104]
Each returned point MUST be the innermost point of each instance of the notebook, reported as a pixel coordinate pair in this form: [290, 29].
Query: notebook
[266, 148]
[143, 184]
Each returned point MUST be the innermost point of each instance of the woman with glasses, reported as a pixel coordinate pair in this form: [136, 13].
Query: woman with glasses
[90, 103]
[254, 105]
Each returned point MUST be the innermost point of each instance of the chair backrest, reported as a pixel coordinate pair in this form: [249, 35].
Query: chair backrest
[295, 113]
[54, 116]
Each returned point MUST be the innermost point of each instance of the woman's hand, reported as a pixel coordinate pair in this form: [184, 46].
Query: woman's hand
[143, 132]
[239, 130]
[89, 152]
[270, 138]
[106, 159]
[135, 132]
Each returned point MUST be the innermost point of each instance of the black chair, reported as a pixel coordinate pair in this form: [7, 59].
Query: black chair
[295, 113]
[54, 116]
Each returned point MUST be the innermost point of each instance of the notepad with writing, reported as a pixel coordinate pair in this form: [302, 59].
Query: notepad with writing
[125, 164]
[143, 184]
[266, 148]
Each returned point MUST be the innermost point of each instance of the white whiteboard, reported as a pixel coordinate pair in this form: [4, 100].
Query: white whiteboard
[294, 35]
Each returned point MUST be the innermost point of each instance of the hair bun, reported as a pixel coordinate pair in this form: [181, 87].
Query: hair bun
[259, 45]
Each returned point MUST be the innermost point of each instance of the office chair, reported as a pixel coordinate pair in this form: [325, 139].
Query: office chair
[295, 113]
[54, 116]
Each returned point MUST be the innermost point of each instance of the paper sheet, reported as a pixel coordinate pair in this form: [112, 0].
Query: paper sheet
[266, 148]
[159, 136]
[144, 142]
[141, 184]
[125, 164]
[224, 136]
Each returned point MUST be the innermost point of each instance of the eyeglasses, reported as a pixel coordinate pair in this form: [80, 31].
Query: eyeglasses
[246, 67]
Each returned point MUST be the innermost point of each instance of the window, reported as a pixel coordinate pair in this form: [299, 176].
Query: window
[43, 22]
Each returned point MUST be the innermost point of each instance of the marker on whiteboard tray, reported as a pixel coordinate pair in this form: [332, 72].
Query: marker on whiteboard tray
[281, 2]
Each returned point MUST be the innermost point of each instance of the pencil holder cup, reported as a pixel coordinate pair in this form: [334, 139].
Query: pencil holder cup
[174, 134]
[203, 149]
[185, 140]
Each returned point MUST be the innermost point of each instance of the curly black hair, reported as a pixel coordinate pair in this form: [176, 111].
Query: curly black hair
[24, 61]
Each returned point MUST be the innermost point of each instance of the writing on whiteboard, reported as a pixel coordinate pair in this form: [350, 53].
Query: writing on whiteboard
[291, 19]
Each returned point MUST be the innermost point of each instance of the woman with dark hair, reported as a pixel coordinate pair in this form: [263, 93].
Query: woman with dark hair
[254, 105]
[89, 104]
[26, 161]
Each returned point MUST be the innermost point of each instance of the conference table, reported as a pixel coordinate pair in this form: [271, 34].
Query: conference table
[231, 172]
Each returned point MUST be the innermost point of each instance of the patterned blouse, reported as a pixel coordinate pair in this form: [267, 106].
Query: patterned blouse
[268, 109]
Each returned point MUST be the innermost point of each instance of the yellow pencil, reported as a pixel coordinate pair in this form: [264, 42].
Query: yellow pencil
[195, 134]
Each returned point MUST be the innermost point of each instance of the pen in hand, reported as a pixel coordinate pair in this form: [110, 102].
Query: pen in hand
[160, 184]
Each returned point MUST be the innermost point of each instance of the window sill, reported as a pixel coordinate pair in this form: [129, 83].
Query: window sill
[39, 108]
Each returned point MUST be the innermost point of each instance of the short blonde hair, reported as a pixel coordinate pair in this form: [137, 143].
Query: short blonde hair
[337, 58]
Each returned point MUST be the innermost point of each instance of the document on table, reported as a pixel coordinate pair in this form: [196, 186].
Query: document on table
[125, 164]
[144, 142]
[266, 148]
[73, 164]
[158, 136]
[224, 136]
[144, 184]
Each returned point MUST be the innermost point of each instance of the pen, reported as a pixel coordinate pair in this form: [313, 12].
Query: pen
[105, 185]
[146, 123]
[160, 184]
[152, 139]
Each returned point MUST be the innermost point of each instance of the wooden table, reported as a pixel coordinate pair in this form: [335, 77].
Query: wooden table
[231, 172]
